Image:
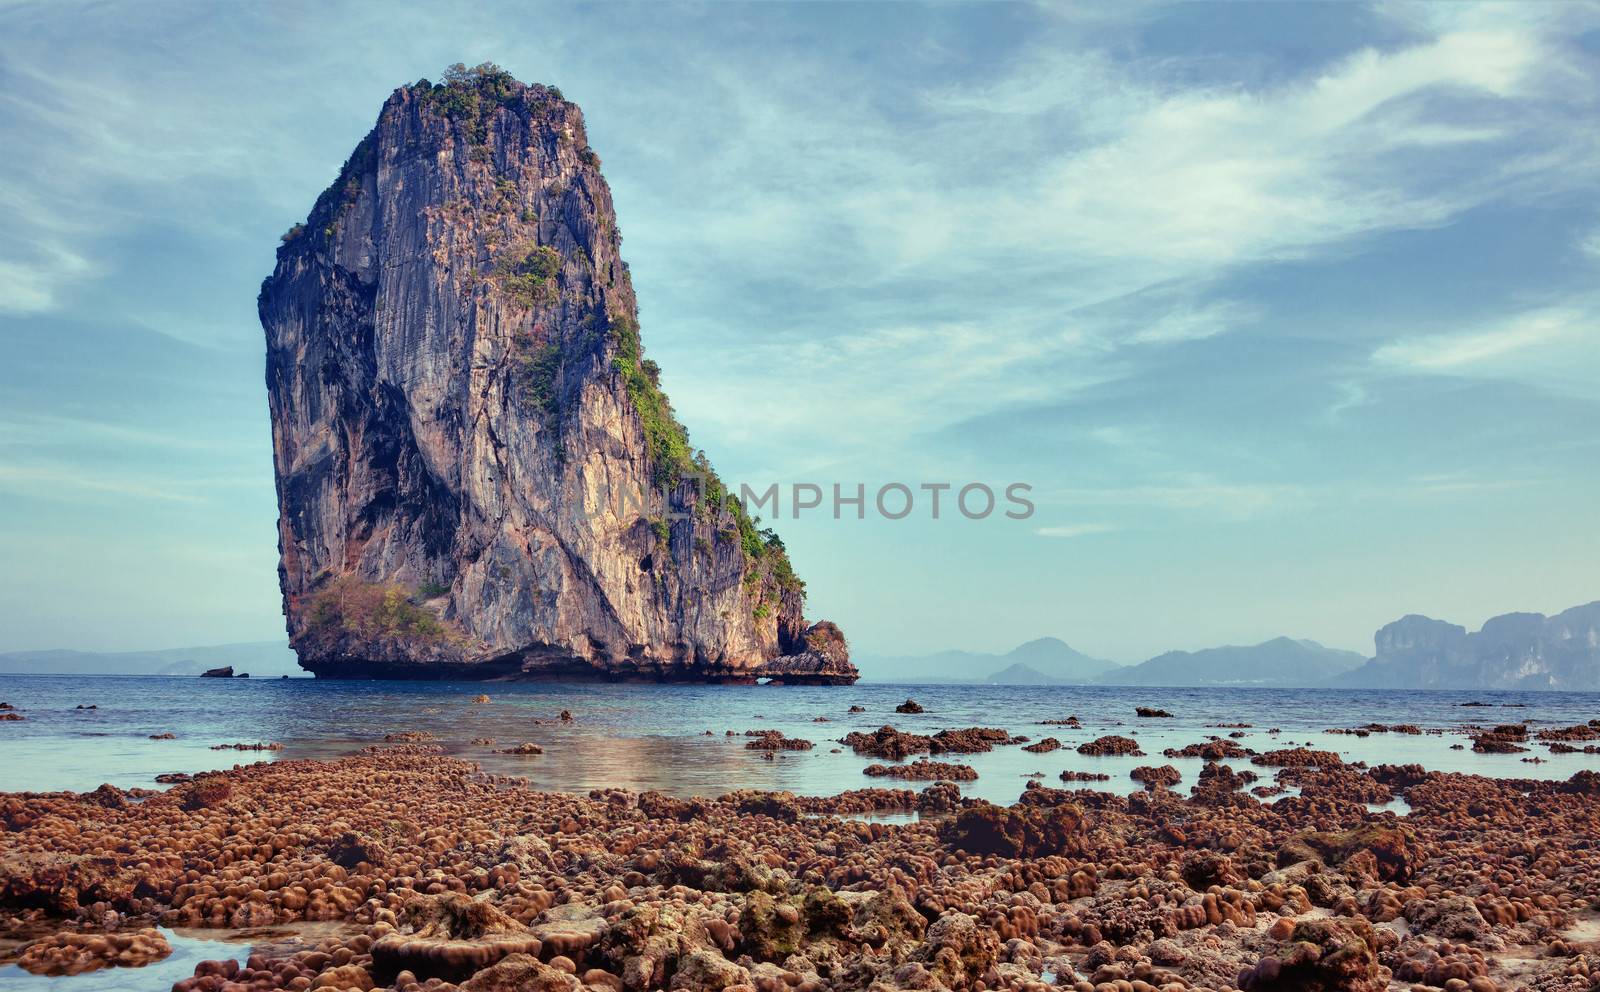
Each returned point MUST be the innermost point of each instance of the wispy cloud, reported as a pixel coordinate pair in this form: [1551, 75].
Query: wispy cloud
[1190, 492]
[1554, 349]
[1042, 200]
[1589, 243]
[1351, 395]
[57, 431]
[32, 278]
[1197, 322]
[1479, 349]
[54, 482]
[1076, 530]
[1430, 486]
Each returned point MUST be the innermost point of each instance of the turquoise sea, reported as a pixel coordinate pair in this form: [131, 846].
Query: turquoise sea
[645, 736]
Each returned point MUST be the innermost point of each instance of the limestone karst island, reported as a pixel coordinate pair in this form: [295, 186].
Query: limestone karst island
[466, 429]
[1124, 520]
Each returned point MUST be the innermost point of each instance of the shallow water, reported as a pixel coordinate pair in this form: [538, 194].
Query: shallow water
[187, 951]
[189, 948]
[653, 736]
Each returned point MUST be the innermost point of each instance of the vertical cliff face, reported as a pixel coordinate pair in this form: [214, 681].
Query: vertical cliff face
[478, 474]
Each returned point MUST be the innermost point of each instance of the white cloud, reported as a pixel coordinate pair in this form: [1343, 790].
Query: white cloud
[1197, 181]
[53, 431]
[23, 289]
[1492, 349]
[1076, 530]
[1430, 17]
[1589, 243]
[1042, 199]
[1189, 492]
[54, 482]
[96, 151]
[1196, 322]
[1434, 485]
[1352, 394]
[32, 279]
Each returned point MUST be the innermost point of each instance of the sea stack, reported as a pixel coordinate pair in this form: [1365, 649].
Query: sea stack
[478, 474]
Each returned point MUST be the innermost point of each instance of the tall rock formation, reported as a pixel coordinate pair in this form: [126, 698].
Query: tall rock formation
[467, 434]
[1512, 651]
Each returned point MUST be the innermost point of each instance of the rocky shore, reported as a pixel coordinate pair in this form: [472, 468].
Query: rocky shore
[434, 875]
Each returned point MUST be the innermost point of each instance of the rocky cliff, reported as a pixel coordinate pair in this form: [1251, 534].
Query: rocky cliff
[1513, 651]
[478, 474]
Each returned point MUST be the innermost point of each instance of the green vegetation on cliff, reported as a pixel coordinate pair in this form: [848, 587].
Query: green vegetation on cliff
[666, 439]
[528, 274]
[368, 609]
[672, 459]
[536, 366]
[469, 96]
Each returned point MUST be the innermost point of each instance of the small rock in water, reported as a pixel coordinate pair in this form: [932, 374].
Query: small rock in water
[1111, 744]
[925, 771]
[1072, 776]
[772, 740]
[526, 748]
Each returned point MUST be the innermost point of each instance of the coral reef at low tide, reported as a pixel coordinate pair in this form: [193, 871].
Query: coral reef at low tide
[442, 877]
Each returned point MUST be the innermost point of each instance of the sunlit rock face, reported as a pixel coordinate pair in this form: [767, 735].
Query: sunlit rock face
[477, 473]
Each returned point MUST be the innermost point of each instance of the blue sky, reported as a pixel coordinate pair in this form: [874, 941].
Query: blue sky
[1287, 313]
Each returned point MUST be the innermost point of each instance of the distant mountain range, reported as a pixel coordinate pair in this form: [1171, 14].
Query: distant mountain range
[1043, 661]
[1050, 661]
[1282, 661]
[1514, 651]
[262, 659]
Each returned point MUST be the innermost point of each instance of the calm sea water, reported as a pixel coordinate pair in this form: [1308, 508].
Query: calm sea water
[654, 737]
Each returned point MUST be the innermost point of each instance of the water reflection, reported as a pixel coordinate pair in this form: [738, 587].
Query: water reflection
[655, 737]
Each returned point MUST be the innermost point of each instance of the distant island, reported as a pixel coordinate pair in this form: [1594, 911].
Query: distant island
[1526, 651]
[1512, 651]
[1282, 661]
[1279, 662]
[1038, 662]
[261, 659]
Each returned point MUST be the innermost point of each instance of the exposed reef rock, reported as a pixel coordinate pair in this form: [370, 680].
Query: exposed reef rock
[478, 474]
